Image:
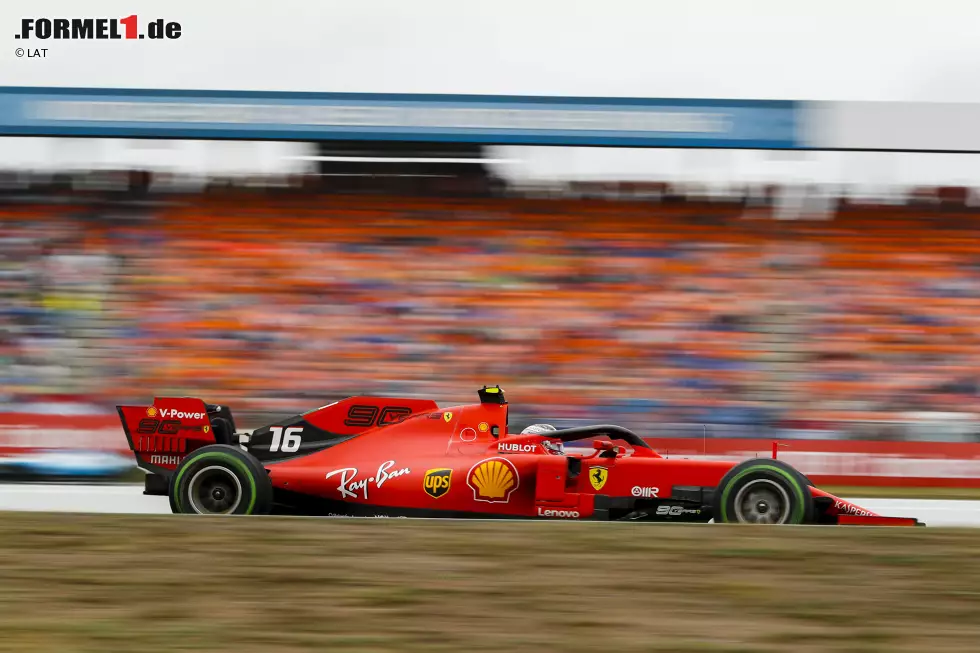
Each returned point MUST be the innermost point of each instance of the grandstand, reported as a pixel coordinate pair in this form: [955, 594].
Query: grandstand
[655, 313]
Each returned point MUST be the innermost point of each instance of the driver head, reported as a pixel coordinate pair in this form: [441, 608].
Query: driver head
[538, 429]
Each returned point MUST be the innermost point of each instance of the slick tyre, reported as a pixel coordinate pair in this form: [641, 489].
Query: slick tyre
[220, 480]
[763, 491]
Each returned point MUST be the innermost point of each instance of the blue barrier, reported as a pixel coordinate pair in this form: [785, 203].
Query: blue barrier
[627, 122]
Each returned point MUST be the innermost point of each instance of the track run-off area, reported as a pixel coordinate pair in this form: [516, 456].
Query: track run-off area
[129, 499]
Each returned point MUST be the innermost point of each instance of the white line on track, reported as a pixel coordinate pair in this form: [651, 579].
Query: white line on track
[932, 512]
[129, 499]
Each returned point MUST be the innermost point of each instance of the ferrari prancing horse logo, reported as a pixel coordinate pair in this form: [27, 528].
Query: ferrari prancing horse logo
[598, 476]
[447, 416]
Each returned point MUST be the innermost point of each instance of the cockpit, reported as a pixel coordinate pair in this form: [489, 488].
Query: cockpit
[553, 440]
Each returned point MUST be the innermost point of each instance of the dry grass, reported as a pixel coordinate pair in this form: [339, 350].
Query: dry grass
[121, 583]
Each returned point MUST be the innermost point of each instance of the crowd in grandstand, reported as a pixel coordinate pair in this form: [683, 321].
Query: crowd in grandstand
[641, 313]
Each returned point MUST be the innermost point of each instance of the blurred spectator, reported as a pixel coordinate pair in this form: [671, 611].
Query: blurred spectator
[646, 314]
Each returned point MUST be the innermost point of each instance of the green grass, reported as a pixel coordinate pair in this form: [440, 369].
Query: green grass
[99, 583]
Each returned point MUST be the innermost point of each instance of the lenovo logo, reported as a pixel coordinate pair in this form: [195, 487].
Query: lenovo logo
[564, 514]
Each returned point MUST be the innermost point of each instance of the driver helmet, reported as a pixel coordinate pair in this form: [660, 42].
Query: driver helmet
[538, 429]
[545, 429]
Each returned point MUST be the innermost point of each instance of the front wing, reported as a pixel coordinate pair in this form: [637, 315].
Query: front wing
[834, 510]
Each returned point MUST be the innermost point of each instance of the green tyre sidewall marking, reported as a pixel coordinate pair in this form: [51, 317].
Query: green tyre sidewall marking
[222, 456]
[798, 511]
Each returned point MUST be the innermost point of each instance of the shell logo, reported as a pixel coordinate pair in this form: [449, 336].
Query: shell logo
[493, 480]
[151, 411]
[484, 427]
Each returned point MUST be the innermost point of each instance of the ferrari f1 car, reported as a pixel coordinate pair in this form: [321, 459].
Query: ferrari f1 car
[379, 456]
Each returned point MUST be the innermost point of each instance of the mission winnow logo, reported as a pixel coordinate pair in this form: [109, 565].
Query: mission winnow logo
[82, 29]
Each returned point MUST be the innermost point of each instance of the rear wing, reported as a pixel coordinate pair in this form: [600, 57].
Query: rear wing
[160, 435]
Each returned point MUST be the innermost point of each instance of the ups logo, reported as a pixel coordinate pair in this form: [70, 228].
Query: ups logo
[437, 481]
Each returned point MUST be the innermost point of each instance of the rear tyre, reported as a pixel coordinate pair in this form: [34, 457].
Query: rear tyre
[220, 480]
[762, 491]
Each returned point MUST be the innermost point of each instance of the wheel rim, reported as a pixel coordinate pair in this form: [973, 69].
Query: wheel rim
[762, 501]
[214, 490]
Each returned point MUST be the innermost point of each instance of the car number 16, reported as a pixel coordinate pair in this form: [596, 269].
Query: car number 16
[289, 440]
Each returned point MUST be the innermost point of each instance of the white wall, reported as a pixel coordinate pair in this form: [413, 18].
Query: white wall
[870, 170]
[936, 126]
[202, 158]
[718, 168]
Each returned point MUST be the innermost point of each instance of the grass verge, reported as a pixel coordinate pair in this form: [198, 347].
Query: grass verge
[123, 583]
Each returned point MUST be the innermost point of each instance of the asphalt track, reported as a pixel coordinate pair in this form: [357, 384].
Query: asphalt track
[129, 499]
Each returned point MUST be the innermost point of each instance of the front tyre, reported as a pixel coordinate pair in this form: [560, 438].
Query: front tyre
[220, 480]
[763, 491]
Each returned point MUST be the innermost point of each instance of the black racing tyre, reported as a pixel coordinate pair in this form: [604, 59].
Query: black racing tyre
[220, 480]
[763, 491]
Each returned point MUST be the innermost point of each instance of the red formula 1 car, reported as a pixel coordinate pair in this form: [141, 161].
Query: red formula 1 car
[379, 456]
